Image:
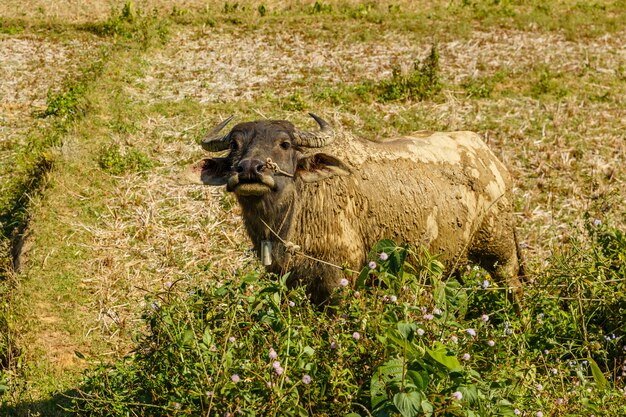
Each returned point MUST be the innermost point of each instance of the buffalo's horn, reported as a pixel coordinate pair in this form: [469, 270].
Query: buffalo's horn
[213, 142]
[322, 137]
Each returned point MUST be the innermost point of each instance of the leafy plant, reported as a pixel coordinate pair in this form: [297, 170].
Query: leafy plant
[117, 162]
[321, 7]
[421, 83]
[403, 340]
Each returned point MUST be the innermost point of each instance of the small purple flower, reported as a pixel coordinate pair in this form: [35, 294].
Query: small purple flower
[333, 345]
[232, 339]
[279, 370]
[466, 356]
[372, 265]
[546, 352]
[420, 332]
[344, 282]
[454, 339]
[393, 299]
[597, 222]
[539, 414]
[235, 378]
[428, 317]
[276, 364]
[484, 318]
[539, 387]
[210, 394]
[383, 256]
[306, 379]
[517, 412]
[270, 384]
[357, 294]
[168, 284]
[356, 336]
[554, 371]
[291, 304]
[437, 312]
[471, 332]
[457, 395]
[491, 343]
[177, 406]
[273, 355]
[559, 401]
[486, 284]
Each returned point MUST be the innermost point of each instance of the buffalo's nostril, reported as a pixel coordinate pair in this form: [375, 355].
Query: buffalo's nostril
[250, 169]
[258, 168]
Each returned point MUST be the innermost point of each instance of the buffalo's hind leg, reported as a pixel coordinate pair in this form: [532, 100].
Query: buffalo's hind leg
[496, 249]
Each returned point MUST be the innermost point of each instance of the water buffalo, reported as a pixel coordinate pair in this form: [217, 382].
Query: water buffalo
[445, 191]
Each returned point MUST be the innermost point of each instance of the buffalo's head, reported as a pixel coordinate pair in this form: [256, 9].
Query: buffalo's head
[267, 156]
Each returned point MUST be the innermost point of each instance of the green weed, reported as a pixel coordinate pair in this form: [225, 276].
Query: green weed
[131, 24]
[321, 7]
[547, 83]
[479, 87]
[116, 161]
[421, 83]
[294, 102]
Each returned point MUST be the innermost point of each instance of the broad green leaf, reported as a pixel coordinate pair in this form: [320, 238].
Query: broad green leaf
[353, 414]
[408, 403]
[406, 330]
[427, 408]
[419, 380]
[362, 278]
[207, 337]
[440, 354]
[377, 390]
[470, 393]
[392, 369]
[505, 408]
[598, 376]
[188, 336]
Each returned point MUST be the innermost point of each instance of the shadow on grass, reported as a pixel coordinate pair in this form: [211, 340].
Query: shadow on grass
[55, 406]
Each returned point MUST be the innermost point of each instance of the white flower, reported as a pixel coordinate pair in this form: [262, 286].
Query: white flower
[457, 395]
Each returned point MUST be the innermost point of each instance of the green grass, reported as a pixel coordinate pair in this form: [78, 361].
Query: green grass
[112, 228]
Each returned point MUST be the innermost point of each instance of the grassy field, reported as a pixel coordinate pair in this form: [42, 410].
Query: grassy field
[101, 110]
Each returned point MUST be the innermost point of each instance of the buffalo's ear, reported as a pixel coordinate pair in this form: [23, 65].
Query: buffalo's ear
[320, 166]
[212, 171]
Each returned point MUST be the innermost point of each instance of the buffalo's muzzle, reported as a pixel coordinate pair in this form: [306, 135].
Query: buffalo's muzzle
[251, 179]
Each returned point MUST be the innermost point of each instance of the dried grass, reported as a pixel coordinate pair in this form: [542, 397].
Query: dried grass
[559, 170]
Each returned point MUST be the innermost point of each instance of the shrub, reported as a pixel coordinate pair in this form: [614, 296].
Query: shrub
[401, 340]
[421, 83]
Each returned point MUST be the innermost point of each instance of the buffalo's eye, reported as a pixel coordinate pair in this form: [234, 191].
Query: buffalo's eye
[233, 145]
[285, 145]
